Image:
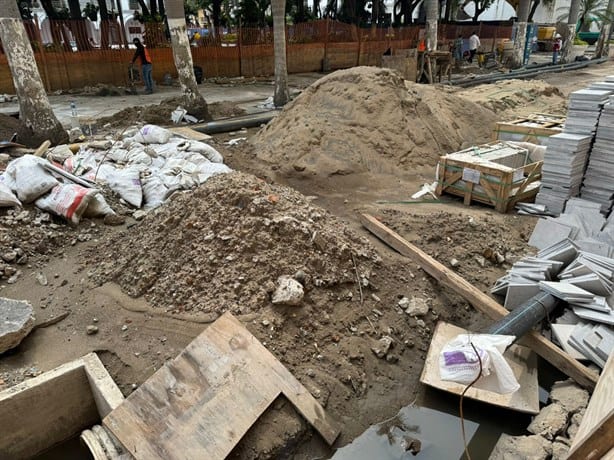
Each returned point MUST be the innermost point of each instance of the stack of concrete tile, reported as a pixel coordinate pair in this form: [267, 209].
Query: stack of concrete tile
[585, 341]
[584, 109]
[563, 169]
[598, 185]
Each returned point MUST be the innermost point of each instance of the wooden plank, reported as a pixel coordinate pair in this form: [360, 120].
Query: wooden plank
[468, 190]
[482, 302]
[204, 401]
[522, 361]
[190, 133]
[595, 436]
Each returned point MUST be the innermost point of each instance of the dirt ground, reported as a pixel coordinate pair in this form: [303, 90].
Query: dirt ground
[223, 246]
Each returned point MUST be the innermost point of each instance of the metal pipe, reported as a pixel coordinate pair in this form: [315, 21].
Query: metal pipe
[235, 123]
[522, 319]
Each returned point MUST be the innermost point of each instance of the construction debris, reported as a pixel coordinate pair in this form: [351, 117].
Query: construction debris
[16, 322]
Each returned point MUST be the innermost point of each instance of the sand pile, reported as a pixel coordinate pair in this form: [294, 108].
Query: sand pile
[223, 246]
[370, 119]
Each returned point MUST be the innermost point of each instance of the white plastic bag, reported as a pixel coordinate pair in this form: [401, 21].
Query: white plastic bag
[7, 199]
[152, 134]
[29, 178]
[67, 200]
[127, 183]
[459, 363]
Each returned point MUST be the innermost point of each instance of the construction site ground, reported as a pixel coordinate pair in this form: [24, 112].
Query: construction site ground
[89, 271]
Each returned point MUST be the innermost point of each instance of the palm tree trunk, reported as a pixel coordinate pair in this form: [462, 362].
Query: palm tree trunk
[194, 102]
[574, 10]
[432, 9]
[281, 95]
[600, 48]
[521, 34]
[38, 122]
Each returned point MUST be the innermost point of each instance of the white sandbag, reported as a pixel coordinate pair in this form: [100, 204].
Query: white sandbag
[204, 149]
[119, 155]
[207, 170]
[458, 361]
[67, 200]
[30, 179]
[100, 174]
[82, 163]
[98, 207]
[180, 181]
[127, 184]
[139, 156]
[164, 150]
[152, 134]
[7, 198]
[155, 192]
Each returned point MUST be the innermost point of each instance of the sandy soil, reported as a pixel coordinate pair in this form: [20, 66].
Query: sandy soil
[89, 272]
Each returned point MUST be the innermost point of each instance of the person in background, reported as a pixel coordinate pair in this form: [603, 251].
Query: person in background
[146, 67]
[458, 49]
[474, 44]
[556, 48]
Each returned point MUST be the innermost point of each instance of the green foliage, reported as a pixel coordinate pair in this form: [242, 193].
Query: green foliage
[90, 11]
[63, 13]
[579, 41]
[253, 12]
[591, 11]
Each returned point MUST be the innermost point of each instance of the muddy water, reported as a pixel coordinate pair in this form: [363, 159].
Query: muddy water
[432, 431]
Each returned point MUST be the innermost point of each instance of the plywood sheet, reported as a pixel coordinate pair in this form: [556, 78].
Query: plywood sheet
[522, 361]
[190, 133]
[202, 403]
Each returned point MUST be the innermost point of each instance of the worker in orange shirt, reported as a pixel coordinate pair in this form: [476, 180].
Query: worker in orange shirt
[146, 66]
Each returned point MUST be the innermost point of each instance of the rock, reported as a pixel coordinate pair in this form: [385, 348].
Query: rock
[300, 276]
[569, 395]
[16, 322]
[288, 292]
[454, 262]
[114, 219]
[382, 347]
[403, 303]
[532, 447]
[481, 261]
[9, 256]
[560, 450]
[421, 323]
[550, 421]
[91, 330]
[42, 279]
[417, 307]
[574, 424]
[376, 298]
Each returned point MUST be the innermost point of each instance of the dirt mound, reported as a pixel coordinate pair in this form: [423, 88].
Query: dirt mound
[223, 246]
[8, 127]
[370, 119]
[504, 96]
[160, 114]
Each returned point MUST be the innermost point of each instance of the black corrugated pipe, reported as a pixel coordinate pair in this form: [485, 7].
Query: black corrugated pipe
[236, 123]
[522, 319]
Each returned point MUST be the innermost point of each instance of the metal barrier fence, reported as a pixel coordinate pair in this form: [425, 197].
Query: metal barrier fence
[71, 54]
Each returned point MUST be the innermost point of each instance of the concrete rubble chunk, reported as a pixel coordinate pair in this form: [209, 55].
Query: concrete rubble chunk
[509, 447]
[382, 347]
[16, 322]
[560, 450]
[550, 421]
[417, 307]
[569, 395]
[288, 292]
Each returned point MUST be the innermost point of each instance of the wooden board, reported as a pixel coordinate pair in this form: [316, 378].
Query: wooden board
[481, 301]
[190, 133]
[595, 437]
[200, 404]
[522, 361]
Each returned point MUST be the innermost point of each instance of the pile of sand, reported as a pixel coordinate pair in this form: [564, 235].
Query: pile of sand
[369, 119]
[223, 246]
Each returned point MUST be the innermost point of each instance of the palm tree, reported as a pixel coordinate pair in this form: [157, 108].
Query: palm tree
[193, 101]
[572, 21]
[281, 95]
[606, 30]
[521, 33]
[589, 12]
[38, 122]
[432, 13]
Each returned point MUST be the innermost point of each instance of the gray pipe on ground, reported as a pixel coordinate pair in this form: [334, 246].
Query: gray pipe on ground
[236, 123]
[522, 319]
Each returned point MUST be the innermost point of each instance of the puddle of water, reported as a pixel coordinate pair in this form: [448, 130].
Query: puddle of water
[68, 450]
[416, 432]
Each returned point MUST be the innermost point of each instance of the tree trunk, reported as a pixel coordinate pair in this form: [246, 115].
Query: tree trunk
[574, 10]
[281, 95]
[431, 24]
[521, 34]
[38, 122]
[194, 103]
[534, 6]
[600, 48]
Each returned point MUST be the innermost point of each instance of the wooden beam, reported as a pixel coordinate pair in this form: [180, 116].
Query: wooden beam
[480, 301]
[595, 437]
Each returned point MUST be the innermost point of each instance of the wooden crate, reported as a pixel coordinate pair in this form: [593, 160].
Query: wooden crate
[535, 128]
[471, 175]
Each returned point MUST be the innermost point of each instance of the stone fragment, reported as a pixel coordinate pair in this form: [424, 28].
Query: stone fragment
[288, 292]
[382, 346]
[417, 307]
[91, 329]
[509, 447]
[550, 421]
[16, 322]
[454, 262]
[9, 256]
[560, 450]
[569, 395]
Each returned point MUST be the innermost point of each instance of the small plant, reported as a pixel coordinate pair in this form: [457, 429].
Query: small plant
[63, 13]
[90, 11]
[579, 41]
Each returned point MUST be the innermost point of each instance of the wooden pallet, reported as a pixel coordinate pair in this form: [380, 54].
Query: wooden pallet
[534, 128]
[486, 182]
